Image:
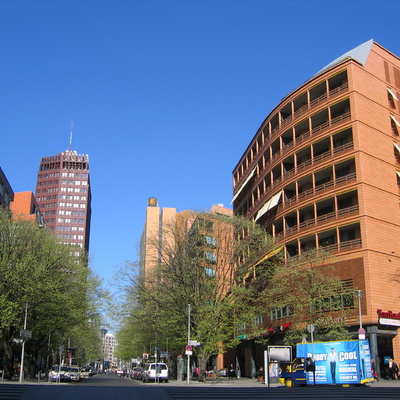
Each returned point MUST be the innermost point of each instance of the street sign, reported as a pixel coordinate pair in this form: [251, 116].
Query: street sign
[194, 343]
[280, 353]
[163, 354]
[189, 348]
[189, 352]
[145, 356]
[25, 333]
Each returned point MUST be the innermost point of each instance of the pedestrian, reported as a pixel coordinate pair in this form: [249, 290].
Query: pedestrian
[373, 369]
[395, 368]
[390, 366]
[232, 372]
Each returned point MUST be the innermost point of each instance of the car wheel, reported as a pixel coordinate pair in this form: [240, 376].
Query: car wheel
[289, 383]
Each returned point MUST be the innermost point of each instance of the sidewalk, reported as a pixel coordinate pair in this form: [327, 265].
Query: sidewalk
[249, 382]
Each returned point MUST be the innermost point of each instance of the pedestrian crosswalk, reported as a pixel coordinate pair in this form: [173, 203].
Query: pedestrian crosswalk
[11, 391]
[282, 393]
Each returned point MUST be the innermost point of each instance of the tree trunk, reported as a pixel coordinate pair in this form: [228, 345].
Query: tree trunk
[202, 368]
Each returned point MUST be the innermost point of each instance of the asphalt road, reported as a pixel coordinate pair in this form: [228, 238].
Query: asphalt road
[111, 387]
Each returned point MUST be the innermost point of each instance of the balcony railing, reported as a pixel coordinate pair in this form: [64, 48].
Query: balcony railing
[318, 221]
[333, 248]
[277, 130]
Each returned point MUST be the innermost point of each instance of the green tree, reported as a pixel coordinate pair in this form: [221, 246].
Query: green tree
[202, 261]
[308, 290]
[35, 269]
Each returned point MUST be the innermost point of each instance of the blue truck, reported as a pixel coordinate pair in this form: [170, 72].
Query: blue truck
[329, 363]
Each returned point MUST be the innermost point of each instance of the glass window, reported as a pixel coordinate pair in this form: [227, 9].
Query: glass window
[210, 256]
[211, 241]
[210, 271]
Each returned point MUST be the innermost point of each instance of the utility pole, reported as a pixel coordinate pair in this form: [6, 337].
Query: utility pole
[21, 367]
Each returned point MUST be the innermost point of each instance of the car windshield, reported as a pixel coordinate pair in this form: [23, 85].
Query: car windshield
[160, 366]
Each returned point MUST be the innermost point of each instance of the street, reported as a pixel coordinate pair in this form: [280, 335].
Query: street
[110, 387]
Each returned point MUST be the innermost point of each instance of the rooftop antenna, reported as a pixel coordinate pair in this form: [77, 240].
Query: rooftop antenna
[71, 128]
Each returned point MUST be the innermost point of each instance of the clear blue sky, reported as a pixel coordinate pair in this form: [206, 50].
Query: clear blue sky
[165, 94]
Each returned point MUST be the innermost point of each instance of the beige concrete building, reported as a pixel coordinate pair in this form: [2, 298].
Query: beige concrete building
[322, 171]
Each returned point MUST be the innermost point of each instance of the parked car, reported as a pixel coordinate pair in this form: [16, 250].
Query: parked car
[86, 372]
[155, 372]
[137, 373]
[223, 372]
[74, 374]
[56, 375]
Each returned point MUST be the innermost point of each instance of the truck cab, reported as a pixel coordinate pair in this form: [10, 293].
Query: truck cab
[294, 373]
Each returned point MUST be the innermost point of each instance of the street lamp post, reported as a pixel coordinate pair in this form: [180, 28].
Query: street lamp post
[21, 367]
[188, 358]
[361, 331]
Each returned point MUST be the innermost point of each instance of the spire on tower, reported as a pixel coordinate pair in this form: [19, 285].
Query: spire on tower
[71, 128]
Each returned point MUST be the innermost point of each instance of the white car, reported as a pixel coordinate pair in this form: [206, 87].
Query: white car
[74, 374]
[53, 374]
[155, 373]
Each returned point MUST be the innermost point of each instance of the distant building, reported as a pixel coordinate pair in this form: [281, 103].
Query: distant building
[206, 232]
[64, 197]
[109, 347]
[24, 206]
[6, 192]
[323, 171]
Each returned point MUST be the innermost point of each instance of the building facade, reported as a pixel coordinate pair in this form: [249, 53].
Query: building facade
[207, 232]
[322, 171]
[64, 197]
[6, 192]
[109, 348]
[25, 206]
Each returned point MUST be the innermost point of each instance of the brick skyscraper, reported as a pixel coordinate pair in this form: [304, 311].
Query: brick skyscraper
[64, 197]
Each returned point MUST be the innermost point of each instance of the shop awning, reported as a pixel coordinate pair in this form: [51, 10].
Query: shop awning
[392, 94]
[395, 121]
[272, 202]
[243, 185]
[269, 255]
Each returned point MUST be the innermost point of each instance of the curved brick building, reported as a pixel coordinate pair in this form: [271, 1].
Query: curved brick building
[323, 171]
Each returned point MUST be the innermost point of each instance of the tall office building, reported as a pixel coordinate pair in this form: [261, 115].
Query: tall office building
[322, 171]
[64, 197]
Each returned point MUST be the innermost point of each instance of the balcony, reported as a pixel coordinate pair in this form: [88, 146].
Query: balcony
[318, 222]
[292, 118]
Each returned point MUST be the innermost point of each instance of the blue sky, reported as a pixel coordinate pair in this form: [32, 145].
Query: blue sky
[165, 95]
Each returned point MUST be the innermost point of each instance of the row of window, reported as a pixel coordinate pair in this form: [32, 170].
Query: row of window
[74, 205]
[65, 212]
[55, 190]
[71, 228]
[64, 175]
[70, 197]
[292, 165]
[326, 210]
[341, 301]
[73, 237]
[69, 220]
[290, 112]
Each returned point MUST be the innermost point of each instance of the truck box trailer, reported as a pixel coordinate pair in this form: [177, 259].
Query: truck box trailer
[336, 363]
